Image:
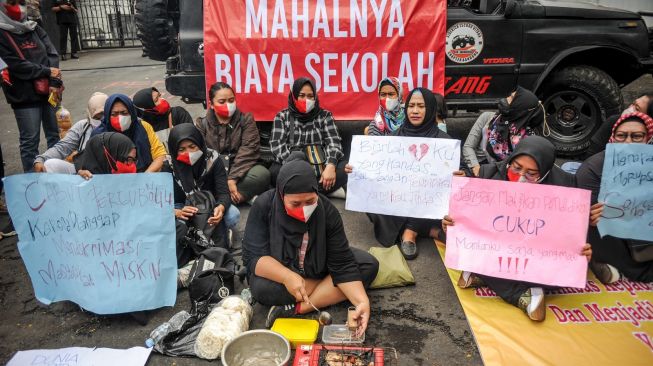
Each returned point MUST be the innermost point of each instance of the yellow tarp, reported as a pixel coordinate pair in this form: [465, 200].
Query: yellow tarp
[597, 325]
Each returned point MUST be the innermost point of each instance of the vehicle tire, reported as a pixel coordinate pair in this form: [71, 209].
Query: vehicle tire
[577, 100]
[156, 29]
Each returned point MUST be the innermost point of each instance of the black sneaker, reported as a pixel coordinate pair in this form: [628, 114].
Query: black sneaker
[8, 230]
[280, 311]
[74, 56]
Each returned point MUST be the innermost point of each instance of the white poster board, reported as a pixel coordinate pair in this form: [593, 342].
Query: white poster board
[402, 176]
[82, 356]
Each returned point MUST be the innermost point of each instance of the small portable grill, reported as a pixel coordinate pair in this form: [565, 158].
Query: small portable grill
[323, 355]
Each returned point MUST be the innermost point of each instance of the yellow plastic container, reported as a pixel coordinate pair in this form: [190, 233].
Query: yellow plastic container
[298, 332]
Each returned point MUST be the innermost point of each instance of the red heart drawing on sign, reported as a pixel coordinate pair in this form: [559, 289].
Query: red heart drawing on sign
[424, 148]
[413, 150]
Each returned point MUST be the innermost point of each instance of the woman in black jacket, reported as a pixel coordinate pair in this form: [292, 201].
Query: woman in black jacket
[532, 161]
[32, 74]
[296, 251]
[195, 168]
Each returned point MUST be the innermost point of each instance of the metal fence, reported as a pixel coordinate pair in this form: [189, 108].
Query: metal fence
[107, 24]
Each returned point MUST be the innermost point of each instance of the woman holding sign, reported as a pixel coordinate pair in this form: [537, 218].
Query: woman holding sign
[296, 251]
[306, 127]
[201, 192]
[532, 161]
[612, 256]
[422, 110]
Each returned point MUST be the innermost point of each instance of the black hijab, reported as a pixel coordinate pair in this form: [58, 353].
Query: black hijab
[428, 128]
[144, 104]
[189, 176]
[523, 111]
[296, 88]
[286, 233]
[93, 157]
[544, 154]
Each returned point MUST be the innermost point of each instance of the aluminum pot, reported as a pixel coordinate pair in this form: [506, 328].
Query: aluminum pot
[252, 346]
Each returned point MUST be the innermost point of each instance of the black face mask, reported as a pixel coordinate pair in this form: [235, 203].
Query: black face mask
[503, 106]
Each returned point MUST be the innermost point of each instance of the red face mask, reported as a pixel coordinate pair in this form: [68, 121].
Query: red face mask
[512, 176]
[305, 105]
[15, 12]
[225, 110]
[302, 213]
[162, 108]
[121, 168]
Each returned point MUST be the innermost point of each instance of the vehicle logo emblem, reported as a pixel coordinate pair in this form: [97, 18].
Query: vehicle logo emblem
[464, 42]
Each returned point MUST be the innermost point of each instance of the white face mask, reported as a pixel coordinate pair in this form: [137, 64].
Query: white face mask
[95, 123]
[443, 127]
[190, 158]
[302, 214]
[390, 104]
[310, 104]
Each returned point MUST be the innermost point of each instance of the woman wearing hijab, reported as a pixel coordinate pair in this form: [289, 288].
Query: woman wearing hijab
[532, 161]
[54, 160]
[494, 136]
[195, 167]
[296, 251]
[390, 115]
[306, 127]
[107, 153]
[421, 121]
[611, 255]
[234, 135]
[156, 110]
[120, 116]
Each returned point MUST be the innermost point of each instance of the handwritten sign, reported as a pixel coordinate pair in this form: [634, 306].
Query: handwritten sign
[627, 191]
[107, 244]
[81, 356]
[521, 231]
[402, 176]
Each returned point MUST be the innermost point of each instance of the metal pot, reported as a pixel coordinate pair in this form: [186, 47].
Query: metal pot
[256, 344]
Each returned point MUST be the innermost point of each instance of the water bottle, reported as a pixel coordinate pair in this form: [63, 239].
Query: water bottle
[162, 330]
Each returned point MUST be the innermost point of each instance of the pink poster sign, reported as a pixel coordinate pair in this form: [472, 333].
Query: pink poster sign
[527, 232]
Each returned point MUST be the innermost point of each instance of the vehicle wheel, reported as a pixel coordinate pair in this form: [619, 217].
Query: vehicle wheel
[577, 100]
[156, 28]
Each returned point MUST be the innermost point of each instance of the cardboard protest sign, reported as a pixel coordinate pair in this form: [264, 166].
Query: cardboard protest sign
[402, 176]
[136, 356]
[107, 244]
[260, 47]
[521, 231]
[627, 191]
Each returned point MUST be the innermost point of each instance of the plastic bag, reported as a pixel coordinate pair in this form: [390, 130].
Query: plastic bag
[204, 335]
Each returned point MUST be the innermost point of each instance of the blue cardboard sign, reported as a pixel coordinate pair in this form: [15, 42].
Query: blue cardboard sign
[107, 244]
[627, 191]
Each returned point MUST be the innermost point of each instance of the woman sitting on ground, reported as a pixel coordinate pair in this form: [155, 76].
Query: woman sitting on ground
[494, 135]
[107, 153]
[422, 107]
[306, 127]
[390, 115]
[611, 255]
[234, 135]
[196, 168]
[296, 251]
[532, 161]
[120, 116]
[53, 160]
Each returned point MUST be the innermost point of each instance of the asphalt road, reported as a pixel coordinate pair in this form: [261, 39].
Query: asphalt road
[424, 323]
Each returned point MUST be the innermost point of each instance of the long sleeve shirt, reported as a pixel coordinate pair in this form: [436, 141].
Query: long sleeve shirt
[321, 131]
[75, 140]
[474, 147]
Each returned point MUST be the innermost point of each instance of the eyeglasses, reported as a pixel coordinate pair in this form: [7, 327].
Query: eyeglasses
[131, 160]
[529, 175]
[634, 136]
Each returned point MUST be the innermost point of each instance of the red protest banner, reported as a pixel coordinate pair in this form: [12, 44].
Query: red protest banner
[347, 46]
